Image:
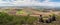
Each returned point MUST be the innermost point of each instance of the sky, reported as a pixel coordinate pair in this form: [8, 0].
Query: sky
[53, 3]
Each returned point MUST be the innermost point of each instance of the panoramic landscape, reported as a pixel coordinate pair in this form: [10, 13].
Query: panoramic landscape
[29, 12]
[16, 15]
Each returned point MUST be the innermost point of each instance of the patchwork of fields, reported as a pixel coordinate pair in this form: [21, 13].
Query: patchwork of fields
[34, 13]
[31, 12]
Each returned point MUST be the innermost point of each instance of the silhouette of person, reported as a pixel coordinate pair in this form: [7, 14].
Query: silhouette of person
[53, 18]
[41, 19]
[49, 19]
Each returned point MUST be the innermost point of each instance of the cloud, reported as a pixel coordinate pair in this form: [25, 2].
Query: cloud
[29, 3]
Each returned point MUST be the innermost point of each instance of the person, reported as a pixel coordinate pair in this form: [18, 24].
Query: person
[41, 19]
[49, 19]
[53, 18]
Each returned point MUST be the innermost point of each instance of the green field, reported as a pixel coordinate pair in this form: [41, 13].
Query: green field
[20, 12]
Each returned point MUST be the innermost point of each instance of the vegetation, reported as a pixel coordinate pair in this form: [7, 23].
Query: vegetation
[6, 19]
[20, 12]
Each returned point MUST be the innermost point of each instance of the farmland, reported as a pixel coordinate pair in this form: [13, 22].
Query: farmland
[26, 16]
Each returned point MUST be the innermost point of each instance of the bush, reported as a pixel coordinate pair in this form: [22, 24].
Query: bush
[6, 19]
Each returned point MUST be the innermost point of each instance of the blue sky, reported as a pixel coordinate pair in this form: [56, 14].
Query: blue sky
[50, 0]
[55, 0]
[30, 3]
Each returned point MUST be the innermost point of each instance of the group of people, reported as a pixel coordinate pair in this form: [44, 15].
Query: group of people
[52, 18]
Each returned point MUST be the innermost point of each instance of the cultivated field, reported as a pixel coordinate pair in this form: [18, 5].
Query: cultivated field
[28, 17]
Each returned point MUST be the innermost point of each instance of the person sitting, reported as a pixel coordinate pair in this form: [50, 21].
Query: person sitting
[53, 18]
[41, 19]
[49, 20]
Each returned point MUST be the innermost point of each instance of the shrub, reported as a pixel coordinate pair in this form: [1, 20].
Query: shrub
[6, 19]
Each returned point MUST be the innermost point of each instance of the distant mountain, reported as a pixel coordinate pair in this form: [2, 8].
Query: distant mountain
[36, 7]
